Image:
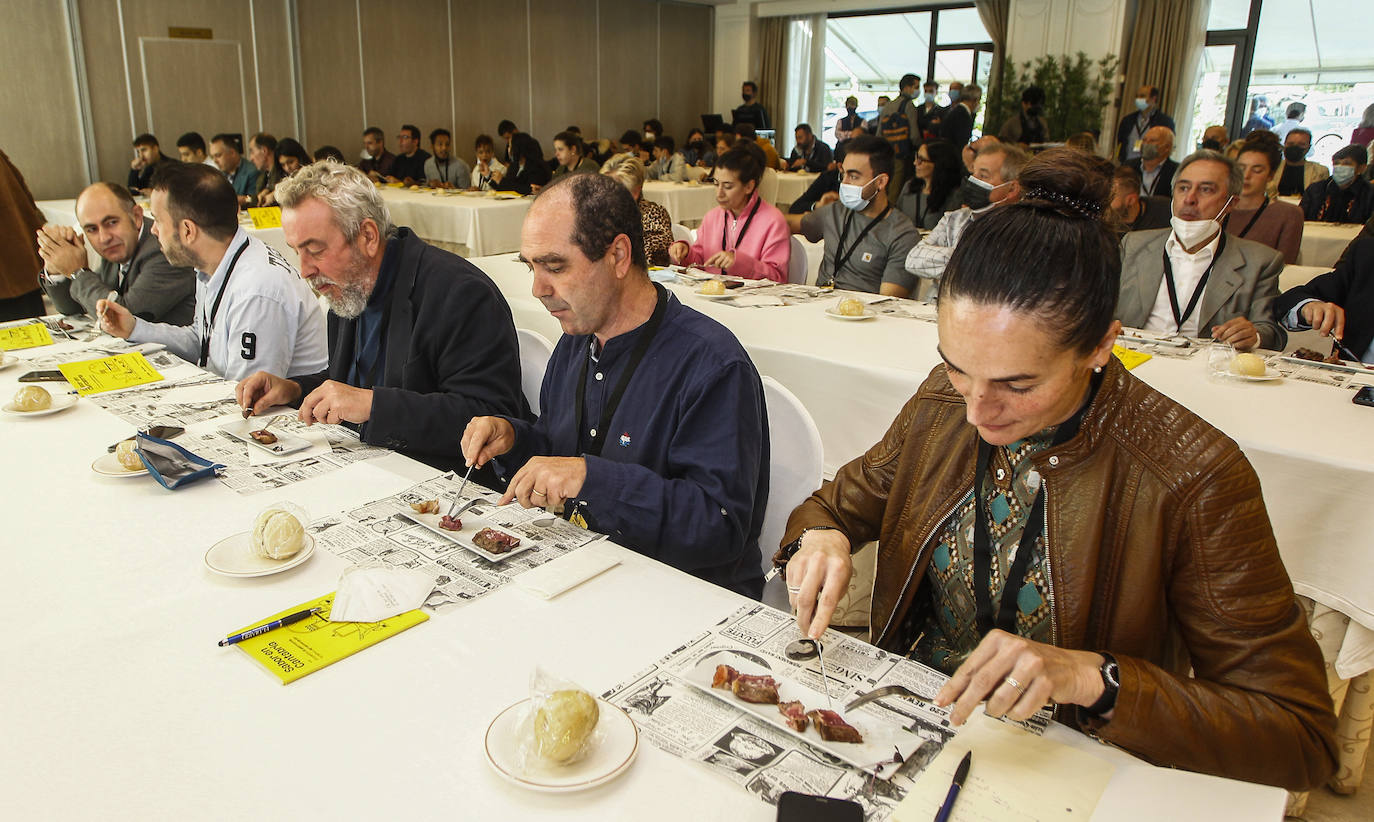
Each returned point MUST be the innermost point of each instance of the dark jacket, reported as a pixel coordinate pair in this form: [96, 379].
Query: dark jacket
[410, 168]
[1155, 212]
[1126, 130]
[154, 289]
[451, 355]
[828, 181]
[1164, 182]
[1326, 201]
[535, 173]
[1159, 552]
[1351, 286]
[957, 125]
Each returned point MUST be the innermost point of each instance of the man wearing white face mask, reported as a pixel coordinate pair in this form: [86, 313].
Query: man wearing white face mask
[866, 239]
[1194, 279]
[1131, 133]
[991, 182]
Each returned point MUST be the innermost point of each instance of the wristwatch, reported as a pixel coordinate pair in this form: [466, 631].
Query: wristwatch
[1111, 685]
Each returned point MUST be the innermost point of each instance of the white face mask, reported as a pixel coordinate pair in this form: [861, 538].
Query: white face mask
[1191, 233]
[852, 197]
[1141, 103]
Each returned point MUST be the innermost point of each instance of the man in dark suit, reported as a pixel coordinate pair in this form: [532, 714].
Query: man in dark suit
[1339, 303]
[1131, 132]
[1153, 165]
[957, 124]
[132, 264]
[1193, 278]
[1128, 211]
[420, 340]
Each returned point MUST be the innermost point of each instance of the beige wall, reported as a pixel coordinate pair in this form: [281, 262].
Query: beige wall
[464, 65]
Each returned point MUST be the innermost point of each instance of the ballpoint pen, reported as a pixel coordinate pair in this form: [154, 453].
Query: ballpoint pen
[960, 774]
[271, 626]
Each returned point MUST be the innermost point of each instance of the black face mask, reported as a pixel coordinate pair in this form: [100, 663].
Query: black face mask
[1214, 145]
[745, 97]
[1034, 111]
[1294, 154]
[974, 196]
[850, 110]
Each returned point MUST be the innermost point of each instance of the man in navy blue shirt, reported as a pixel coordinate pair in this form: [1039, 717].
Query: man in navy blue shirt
[654, 430]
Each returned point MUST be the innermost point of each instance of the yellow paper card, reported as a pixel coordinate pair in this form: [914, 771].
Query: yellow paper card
[1130, 358]
[109, 373]
[304, 647]
[29, 335]
[269, 217]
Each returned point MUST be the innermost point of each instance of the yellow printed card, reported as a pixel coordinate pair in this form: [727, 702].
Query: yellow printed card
[269, 217]
[29, 335]
[109, 373]
[1130, 358]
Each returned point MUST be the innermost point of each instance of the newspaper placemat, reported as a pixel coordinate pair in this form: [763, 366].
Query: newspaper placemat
[381, 530]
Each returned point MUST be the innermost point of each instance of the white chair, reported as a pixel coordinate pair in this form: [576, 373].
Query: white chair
[796, 266]
[768, 187]
[682, 232]
[535, 350]
[796, 460]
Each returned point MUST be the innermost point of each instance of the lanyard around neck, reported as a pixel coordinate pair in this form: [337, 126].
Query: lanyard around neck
[598, 435]
[842, 256]
[1181, 318]
[214, 308]
[725, 226]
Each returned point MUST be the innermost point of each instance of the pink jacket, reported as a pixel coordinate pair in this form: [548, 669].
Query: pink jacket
[763, 253]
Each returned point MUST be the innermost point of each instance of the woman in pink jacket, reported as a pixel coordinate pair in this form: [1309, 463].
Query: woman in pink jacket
[744, 236]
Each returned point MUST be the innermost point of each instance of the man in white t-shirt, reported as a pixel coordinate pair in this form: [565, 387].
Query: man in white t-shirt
[253, 311]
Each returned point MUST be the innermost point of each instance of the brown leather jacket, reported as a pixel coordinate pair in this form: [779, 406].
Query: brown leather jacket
[1159, 552]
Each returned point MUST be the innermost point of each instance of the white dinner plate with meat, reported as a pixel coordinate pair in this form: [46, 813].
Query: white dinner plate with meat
[277, 443]
[610, 758]
[476, 534]
[874, 754]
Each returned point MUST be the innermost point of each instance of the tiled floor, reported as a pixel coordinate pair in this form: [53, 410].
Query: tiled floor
[1325, 806]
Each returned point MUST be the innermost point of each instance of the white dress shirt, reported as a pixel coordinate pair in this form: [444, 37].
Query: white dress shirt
[1188, 271]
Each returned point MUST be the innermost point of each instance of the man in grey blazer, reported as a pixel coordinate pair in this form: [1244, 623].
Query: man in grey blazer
[132, 261]
[1195, 279]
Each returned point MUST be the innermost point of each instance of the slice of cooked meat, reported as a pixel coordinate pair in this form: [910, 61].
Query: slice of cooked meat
[833, 728]
[450, 523]
[724, 678]
[494, 541]
[264, 437]
[794, 714]
[429, 506]
[761, 690]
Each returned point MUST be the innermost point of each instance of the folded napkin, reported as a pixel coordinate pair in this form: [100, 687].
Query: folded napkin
[567, 572]
[372, 592]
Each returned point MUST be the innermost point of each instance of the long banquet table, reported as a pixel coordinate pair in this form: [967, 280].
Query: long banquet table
[1322, 243]
[118, 705]
[483, 222]
[687, 202]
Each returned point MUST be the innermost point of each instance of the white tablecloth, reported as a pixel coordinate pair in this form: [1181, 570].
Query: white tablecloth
[793, 184]
[1293, 276]
[1322, 243]
[118, 704]
[484, 224]
[1309, 443]
[687, 203]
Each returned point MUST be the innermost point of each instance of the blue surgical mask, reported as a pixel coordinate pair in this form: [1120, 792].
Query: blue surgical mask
[953, 96]
[930, 98]
[852, 197]
[1141, 103]
[1342, 174]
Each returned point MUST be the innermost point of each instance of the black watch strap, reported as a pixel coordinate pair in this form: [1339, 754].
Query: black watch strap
[794, 546]
[1111, 682]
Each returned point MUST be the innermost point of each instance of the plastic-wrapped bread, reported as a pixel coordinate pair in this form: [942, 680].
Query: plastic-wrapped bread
[564, 723]
[277, 534]
[128, 457]
[32, 398]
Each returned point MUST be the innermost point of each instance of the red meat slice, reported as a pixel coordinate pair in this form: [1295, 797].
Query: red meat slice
[794, 713]
[494, 541]
[450, 523]
[724, 678]
[761, 690]
[833, 728]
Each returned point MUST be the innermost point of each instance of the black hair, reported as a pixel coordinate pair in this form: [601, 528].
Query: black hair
[603, 209]
[909, 80]
[234, 140]
[1270, 149]
[575, 130]
[288, 147]
[200, 194]
[1033, 95]
[264, 140]
[439, 132]
[949, 170]
[744, 163]
[751, 84]
[1048, 254]
[505, 127]
[192, 140]
[1128, 177]
[806, 127]
[665, 142]
[1295, 110]
[746, 130]
[484, 140]
[373, 131]
[524, 148]
[630, 138]
[653, 125]
[646, 146]
[695, 131]
[877, 149]
[146, 139]
[1297, 130]
[412, 131]
[1355, 152]
[572, 141]
[329, 153]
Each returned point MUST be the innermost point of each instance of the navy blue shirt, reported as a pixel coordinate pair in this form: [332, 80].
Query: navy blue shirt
[683, 474]
[369, 346]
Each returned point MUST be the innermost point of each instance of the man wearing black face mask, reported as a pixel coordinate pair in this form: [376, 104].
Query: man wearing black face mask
[844, 127]
[752, 111]
[1154, 166]
[1296, 172]
[1029, 125]
[1214, 138]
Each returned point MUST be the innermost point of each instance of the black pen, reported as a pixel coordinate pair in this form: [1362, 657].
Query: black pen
[271, 626]
[960, 774]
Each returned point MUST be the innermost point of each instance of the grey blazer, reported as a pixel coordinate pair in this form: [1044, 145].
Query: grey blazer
[154, 289]
[1244, 283]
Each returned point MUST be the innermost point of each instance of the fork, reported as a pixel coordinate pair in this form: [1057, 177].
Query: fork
[886, 690]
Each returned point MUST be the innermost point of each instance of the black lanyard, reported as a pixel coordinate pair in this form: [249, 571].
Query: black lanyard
[598, 436]
[214, 309]
[443, 177]
[1253, 219]
[1180, 319]
[1005, 617]
[725, 230]
[841, 256]
[1154, 184]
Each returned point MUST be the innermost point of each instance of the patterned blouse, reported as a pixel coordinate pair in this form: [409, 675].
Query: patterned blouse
[658, 231]
[944, 632]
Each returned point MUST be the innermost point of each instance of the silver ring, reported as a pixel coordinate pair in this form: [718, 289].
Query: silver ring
[539, 494]
[1013, 683]
[796, 590]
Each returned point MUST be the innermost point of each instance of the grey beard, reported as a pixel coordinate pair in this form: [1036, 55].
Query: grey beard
[350, 303]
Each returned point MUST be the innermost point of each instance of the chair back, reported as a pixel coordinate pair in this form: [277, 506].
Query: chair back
[796, 460]
[769, 185]
[535, 350]
[796, 266]
[682, 232]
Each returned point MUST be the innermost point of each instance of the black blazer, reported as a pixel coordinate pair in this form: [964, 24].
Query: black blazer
[1351, 286]
[957, 125]
[1164, 183]
[451, 355]
[1125, 132]
[535, 173]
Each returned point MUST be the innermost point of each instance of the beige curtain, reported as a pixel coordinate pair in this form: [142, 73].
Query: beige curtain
[773, 65]
[995, 14]
[1163, 53]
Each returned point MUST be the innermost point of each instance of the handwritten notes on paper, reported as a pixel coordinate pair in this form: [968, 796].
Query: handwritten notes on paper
[1129, 358]
[269, 217]
[109, 373]
[28, 335]
[1015, 777]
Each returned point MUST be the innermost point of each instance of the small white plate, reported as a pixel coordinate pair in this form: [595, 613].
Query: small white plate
[110, 466]
[60, 402]
[472, 523]
[233, 557]
[726, 296]
[6, 360]
[609, 759]
[867, 315]
[1270, 373]
[285, 444]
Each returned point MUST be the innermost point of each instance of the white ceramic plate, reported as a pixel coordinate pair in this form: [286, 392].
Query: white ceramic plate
[110, 466]
[6, 360]
[611, 758]
[867, 315]
[60, 402]
[1270, 373]
[463, 538]
[285, 444]
[233, 557]
[727, 295]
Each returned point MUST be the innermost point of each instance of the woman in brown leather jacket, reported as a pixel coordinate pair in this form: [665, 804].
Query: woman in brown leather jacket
[1147, 598]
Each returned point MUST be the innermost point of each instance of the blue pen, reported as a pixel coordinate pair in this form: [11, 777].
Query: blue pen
[271, 626]
[960, 774]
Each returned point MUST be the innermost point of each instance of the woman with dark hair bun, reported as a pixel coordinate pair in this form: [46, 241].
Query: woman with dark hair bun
[527, 172]
[1053, 531]
[743, 236]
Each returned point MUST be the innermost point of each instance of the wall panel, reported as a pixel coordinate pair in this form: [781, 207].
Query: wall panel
[195, 85]
[278, 100]
[563, 63]
[684, 67]
[628, 32]
[42, 133]
[406, 67]
[491, 65]
[331, 80]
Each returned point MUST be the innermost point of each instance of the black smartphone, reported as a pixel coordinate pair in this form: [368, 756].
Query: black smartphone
[43, 376]
[1365, 396]
[734, 283]
[803, 807]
